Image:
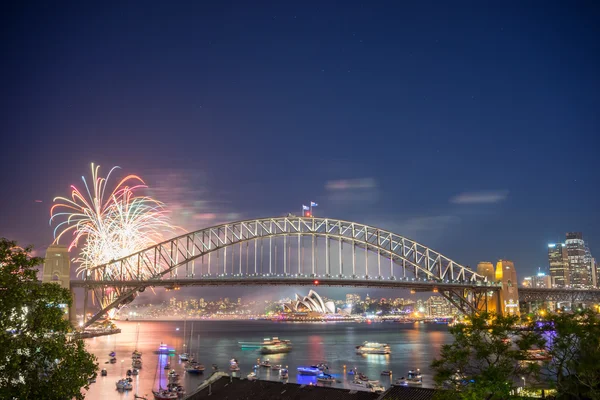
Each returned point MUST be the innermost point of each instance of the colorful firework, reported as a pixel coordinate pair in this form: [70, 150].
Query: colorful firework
[108, 227]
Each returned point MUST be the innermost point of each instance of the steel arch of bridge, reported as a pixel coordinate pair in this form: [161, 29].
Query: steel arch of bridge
[167, 257]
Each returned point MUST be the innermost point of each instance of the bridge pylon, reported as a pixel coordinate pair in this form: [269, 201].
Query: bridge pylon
[57, 269]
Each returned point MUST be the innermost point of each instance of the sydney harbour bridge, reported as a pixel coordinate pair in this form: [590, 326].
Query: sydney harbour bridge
[300, 251]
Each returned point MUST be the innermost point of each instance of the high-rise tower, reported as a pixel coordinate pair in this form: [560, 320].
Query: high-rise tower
[559, 265]
[579, 261]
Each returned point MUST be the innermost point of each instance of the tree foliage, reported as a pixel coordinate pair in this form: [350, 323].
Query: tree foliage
[37, 358]
[485, 360]
[574, 344]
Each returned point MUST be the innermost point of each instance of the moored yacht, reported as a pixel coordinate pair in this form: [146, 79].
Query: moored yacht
[414, 378]
[312, 370]
[373, 348]
[124, 384]
[233, 365]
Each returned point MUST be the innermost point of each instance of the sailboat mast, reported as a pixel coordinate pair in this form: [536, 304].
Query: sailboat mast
[190, 344]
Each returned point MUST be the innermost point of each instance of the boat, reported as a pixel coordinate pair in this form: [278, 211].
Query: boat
[112, 354]
[135, 371]
[164, 349]
[103, 372]
[368, 386]
[414, 378]
[312, 370]
[167, 366]
[266, 364]
[185, 356]
[538, 355]
[282, 347]
[113, 360]
[175, 388]
[276, 367]
[136, 354]
[164, 394]
[265, 342]
[233, 365]
[386, 373]
[325, 378]
[322, 366]
[252, 376]
[124, 384]
[373, 348]
[136, 363]
[215, 367]
[128, 373]
[194, 368]
[283, 373]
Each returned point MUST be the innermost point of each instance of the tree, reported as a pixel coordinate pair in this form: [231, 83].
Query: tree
[485, 360]
[37, 358]
[574, 344]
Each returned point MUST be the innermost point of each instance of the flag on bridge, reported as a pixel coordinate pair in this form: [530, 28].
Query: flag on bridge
[305, 208]
[313, 204]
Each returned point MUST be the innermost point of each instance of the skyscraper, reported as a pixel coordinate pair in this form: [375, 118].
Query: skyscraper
[559, 265]
[579, 261]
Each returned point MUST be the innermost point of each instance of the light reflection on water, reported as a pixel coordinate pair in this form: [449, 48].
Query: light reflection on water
[216, 342]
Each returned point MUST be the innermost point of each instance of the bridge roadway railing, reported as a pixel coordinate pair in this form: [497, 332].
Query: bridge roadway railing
[527, 294]
[294, 280]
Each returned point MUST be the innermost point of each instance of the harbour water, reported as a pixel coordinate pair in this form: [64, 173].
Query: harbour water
[413, 345]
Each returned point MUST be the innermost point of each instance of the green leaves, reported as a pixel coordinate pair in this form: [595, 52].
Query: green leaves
[484, 362]
[37, 359]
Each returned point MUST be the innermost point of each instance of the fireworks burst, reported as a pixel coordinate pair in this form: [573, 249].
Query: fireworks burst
[108, 227]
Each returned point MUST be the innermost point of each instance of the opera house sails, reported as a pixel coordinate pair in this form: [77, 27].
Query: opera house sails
[313, 303]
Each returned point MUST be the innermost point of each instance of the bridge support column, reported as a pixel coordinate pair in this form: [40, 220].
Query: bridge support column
[85, 303]
[73, 310]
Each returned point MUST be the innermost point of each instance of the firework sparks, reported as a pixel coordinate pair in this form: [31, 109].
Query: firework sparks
[107, 227]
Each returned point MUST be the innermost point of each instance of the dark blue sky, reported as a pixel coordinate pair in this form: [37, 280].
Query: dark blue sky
[472, 128]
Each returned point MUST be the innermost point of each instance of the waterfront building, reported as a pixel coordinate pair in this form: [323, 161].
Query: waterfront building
[541, 280]
[578, 255]
[438, 306]
[559, 265]
[310, 303]
[352, 298]
[509, 295]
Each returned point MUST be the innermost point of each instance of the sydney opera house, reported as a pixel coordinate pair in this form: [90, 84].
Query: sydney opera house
[313, 303]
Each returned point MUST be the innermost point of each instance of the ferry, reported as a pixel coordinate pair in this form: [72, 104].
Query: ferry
[312, 370]
[282, 347]
[164, 349]
[265, 342]
[373, 348]
[386, 373]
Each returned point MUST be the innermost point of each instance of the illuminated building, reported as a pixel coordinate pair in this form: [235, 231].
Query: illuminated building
[579, 261]
[311, 303]
[509, 294]
[352, 298]
[559, 265]
[541, 280]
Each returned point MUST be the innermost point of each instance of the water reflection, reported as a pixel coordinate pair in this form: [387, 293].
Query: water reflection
[216, 342]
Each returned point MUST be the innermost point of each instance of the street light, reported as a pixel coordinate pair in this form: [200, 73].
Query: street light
[523, 381]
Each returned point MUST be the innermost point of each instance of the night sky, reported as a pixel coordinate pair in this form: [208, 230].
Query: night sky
[471, 128]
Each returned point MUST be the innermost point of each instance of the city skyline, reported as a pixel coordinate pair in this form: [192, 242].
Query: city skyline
[212, 125]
